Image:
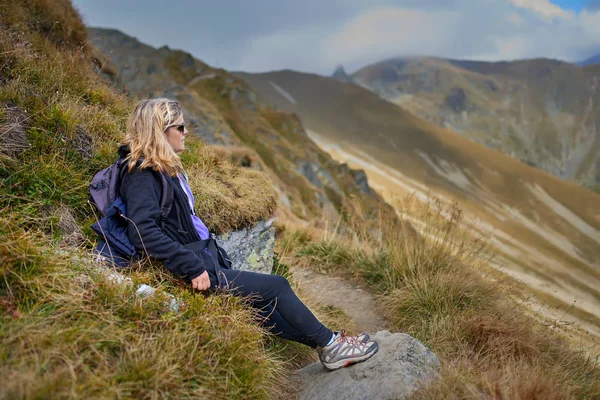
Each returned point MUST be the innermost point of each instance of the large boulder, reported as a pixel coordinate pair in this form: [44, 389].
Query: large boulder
[400, 367]
[251, 249]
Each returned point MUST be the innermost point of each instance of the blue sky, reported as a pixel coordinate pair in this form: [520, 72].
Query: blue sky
[576, 5]
[317, 35]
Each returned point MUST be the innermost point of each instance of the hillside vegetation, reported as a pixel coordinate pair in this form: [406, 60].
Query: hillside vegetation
[65, 330]
[438, 287]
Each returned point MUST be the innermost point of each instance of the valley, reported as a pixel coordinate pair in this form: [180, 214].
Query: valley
[545, 232]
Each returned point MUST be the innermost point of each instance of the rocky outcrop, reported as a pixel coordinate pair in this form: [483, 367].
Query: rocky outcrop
[400, 367]
[360, 177]
[456, 100]
[318, 176]
[251, 249]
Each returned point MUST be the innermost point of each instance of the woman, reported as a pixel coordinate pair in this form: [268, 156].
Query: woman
[155, 135]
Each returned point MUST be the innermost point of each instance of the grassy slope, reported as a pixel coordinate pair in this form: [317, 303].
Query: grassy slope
[87, 338]
[65, 331]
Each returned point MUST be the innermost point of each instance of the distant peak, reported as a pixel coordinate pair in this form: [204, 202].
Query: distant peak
[341, 75]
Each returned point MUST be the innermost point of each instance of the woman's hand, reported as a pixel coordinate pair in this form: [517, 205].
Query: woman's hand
[201, 282]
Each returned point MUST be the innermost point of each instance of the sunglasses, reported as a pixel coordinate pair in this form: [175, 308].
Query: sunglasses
[180, 128]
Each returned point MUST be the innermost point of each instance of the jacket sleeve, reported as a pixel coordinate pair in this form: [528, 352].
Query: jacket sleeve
[141, 192]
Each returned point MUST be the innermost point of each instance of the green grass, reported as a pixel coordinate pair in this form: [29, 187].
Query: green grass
[88, 337]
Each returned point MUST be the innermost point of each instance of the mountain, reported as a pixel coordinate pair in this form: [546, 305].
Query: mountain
[225, 111]
[543, 112]
[545, 231]
[341, 75]
[590, 61]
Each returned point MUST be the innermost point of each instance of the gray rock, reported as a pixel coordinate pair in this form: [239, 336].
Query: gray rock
[401, 365]
[318, 176]
[457, 100]
[251, 249]
[13, 129]
[309, 170]
[360, 177]
[83, 143]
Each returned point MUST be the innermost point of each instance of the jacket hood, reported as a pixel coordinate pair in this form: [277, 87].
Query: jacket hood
[124, 151]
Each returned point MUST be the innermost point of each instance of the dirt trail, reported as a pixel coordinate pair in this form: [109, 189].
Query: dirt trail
[355, 301]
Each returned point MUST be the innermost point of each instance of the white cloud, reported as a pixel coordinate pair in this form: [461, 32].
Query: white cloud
[590, 21]
[386, 31]
[511, 48]
[297, 49]
[476, 29]
[544, 8]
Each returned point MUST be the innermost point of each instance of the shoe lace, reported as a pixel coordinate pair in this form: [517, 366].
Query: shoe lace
[353, 340]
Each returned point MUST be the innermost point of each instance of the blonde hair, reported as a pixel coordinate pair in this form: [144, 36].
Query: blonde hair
[146, 136]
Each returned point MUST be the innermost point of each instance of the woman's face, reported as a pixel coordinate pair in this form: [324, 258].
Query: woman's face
[176, 135]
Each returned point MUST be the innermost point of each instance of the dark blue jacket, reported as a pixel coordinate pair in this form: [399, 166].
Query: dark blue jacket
[141, 191]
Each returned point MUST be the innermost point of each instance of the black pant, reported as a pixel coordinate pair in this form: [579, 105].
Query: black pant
[284, 313]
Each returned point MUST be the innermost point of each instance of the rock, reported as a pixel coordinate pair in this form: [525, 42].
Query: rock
[401, 365]
[360, 177]
[318, 176]
[13, 130]
[309, 170]
[83, 143]
[251, 249]
[457, 100]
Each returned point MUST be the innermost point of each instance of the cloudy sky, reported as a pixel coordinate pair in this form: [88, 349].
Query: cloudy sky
[317, 35]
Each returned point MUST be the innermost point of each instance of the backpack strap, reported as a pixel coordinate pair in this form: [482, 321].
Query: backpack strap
[166, 199]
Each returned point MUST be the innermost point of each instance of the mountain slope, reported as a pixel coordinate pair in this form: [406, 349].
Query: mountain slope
[68, 327]
[545, 113]
[545, 230]
[590, 61]
[224, 110]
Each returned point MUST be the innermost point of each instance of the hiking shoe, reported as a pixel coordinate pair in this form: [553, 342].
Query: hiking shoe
[346, 350]
[363, 337]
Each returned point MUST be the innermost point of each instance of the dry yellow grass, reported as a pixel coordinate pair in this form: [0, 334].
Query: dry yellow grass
[436, 286]
[227, 196]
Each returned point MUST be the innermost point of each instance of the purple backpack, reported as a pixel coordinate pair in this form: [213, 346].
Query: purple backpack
[113, 243]
[104, 187]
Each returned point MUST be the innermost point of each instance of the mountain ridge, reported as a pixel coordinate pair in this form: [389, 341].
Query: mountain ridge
[540, 111]
[592, 60]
